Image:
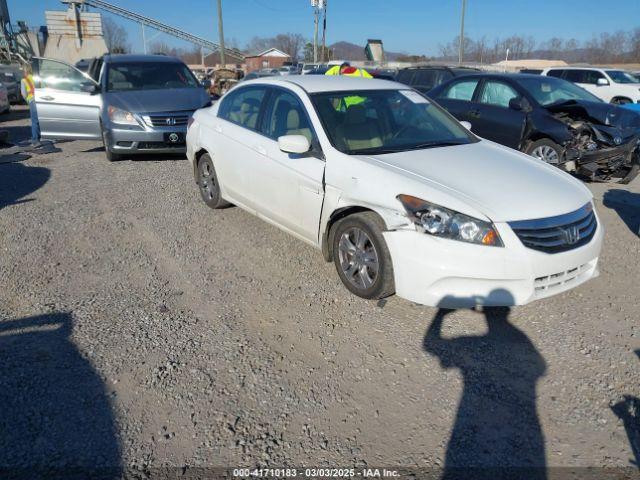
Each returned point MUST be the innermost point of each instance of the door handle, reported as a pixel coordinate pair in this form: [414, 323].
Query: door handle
[47, 98]
[474, 113]
[261, 150]
[218, 128]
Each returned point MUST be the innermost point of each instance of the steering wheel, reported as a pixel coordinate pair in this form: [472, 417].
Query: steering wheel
[403, 130]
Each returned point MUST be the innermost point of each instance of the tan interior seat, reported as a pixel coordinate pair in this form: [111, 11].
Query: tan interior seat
[356, 133]
[296, 127]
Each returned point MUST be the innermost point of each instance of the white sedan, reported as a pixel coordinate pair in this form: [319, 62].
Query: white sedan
[398, 194]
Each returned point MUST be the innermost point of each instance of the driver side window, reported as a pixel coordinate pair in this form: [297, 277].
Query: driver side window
[498, 94]
[58, 76]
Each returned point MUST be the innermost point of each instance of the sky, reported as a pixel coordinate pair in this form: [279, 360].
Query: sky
[410, 26]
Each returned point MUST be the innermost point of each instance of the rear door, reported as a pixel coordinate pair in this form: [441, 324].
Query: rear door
[495, 120]
[68, 101]
[458, 99]
[235, 142]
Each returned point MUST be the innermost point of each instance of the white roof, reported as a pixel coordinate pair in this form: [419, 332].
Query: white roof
[273, 52]
[329, 83]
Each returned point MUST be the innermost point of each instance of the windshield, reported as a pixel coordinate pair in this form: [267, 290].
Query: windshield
[124, 77]
[386, 121]
[620, 76]
[549, 90]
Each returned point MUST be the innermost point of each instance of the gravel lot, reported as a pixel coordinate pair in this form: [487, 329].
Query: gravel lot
[139, 328]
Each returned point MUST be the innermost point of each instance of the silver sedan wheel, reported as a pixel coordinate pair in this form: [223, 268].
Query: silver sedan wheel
[358, 258]
[546, 154]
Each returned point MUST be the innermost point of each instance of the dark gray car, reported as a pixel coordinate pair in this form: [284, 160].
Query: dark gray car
[135, 103]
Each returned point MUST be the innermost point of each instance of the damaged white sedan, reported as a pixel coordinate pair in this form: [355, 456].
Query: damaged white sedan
[398, 194]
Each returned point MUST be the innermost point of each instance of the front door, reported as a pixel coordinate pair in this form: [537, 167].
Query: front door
[67, 101]
[289, 187]
[496, 120]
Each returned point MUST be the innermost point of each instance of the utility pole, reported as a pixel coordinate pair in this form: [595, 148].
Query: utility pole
[221, 32]
[461, 46]
[324, 32]
[144, 39]
[316, 13]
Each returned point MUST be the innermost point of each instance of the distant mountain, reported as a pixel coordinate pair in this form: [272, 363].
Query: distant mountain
[351, 51]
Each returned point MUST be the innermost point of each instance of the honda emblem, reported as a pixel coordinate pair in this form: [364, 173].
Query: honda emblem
[571, 235]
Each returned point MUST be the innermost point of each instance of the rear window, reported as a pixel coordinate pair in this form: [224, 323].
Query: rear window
[555, 73]
[405, 76]
[460, 90]
[123, 77]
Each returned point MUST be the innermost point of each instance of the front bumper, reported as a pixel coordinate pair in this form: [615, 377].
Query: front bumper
[129, 141]
[451, 274]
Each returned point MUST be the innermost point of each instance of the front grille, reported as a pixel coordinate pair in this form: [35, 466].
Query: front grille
[168, 119]
[558, 281]
[558, 234]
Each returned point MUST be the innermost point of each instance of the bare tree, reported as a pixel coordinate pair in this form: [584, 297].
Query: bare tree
[290, 43]
[115, 36]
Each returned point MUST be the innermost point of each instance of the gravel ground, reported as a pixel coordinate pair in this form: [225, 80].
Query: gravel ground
[139, 328]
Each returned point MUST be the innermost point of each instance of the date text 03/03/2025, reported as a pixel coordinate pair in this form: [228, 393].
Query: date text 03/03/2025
[314, 473]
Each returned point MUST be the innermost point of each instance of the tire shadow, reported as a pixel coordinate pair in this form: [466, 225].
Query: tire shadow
[497, 432]
[18, 180]
[56, 418]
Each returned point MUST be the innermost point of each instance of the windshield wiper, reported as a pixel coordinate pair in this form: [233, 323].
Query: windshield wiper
[404, 148]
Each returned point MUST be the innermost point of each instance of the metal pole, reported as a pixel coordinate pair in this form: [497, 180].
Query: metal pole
[324, 34]
[221, 31]
[461, 46]
[144, 39]
[315, 34]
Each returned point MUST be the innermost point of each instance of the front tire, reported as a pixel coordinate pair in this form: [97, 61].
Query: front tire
[208, 183]
[546, 150]
[361, 256]
[112, 157]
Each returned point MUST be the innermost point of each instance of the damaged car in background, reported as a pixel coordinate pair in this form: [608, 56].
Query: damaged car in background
[550, 119]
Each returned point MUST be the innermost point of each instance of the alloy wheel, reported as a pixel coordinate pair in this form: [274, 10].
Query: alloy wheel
[358, 258]
[207, 183]
[546, 153]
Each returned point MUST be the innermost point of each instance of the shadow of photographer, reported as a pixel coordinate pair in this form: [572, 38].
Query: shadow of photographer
[497, 432]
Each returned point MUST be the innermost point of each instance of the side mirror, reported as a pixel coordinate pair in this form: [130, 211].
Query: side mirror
[466, 124]
[294, 144]
[89, 87]
[601, 82]
[516, 104]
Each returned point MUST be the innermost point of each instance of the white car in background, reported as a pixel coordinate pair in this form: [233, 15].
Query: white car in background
[393, 190]
[609, 84]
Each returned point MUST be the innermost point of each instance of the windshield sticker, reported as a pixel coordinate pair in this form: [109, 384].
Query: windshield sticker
[415, 97]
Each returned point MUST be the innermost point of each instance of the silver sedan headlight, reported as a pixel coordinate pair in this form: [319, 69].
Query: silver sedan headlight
[443, 222]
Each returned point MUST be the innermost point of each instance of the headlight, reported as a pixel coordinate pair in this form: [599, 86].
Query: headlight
[121, 116]
[445, 223]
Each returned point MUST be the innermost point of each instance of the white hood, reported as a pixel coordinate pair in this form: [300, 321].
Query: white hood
[497, 181]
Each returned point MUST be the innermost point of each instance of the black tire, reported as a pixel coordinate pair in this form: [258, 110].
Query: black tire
[208, 183]
[372, 225]
[112, 157]
[633, 171]
[544, 144]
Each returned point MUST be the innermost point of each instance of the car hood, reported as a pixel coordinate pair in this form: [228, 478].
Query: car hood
[164, 100]
[495, 181]
[600, 113]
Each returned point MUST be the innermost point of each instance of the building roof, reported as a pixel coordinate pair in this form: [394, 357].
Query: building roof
[272, 52]
[531, 63]
[330, 83]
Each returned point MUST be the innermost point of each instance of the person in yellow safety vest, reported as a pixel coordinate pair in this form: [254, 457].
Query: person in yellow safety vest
[28, 91]
[348, 71]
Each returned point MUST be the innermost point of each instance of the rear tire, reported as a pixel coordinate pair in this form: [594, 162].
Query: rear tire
[361, 256]
[208, 183]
